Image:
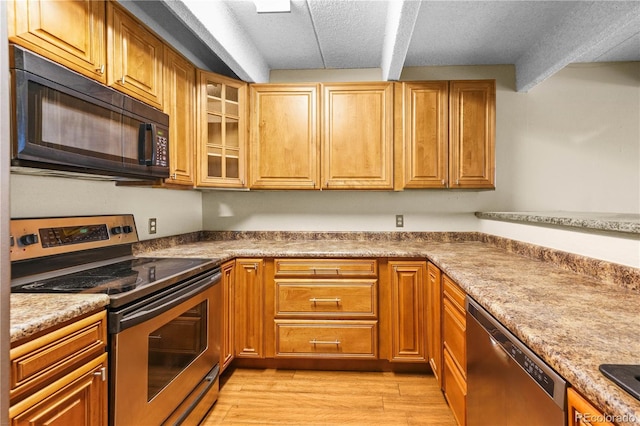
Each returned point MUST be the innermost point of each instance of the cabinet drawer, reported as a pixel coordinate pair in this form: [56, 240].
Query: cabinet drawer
[300, 297]
[327, 339]
[327, 267]
[45, 359]
[454, 334]
[454, 293]
[455, 389]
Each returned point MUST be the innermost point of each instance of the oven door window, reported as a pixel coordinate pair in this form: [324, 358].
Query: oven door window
[174, 346]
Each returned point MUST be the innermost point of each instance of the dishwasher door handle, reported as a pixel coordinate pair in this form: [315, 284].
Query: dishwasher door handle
[500, 351]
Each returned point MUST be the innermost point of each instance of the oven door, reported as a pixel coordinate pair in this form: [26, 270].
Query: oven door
[163, 353]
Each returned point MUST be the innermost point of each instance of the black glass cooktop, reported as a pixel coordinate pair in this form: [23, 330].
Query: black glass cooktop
[124, 276]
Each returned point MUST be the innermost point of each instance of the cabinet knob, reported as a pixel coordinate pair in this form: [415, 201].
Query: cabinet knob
[101, 69]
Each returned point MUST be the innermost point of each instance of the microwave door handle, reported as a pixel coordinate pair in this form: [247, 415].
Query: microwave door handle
[143, 133]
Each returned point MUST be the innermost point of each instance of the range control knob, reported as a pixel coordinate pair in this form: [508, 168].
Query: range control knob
[28, 239]
[127, 229]
[116, 230]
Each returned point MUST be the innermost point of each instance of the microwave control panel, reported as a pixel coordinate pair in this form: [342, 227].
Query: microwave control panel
[162, 150]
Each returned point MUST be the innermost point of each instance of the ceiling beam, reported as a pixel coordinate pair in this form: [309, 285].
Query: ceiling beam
[401, 21]
[216, 26]
[586, 29]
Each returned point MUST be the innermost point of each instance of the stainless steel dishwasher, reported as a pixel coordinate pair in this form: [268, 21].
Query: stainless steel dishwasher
[507, 384]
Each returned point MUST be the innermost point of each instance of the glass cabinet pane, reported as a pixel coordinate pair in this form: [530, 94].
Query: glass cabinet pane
[232, 137]
[232, 163]
[214, 97]
[214, 129]
[214, 161]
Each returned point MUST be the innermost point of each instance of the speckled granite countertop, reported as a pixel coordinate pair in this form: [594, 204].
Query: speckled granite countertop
[32, 313]
[573, 321]
[610, 222]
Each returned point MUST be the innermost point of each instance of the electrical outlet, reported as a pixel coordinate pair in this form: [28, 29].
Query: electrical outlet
[399, 221]
[152, 225]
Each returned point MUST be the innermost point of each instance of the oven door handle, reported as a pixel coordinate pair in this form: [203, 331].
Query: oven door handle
[174, 297]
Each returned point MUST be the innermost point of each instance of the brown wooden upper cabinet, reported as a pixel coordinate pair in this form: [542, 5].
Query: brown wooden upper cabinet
[134, 57]
[180, 104]
[445, 134]
[44, 27]
[357, 136]
[284, 136]
[322, 136]
[222, 131]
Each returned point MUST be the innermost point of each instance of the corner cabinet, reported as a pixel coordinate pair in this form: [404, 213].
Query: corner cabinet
[222, 131]
[284, 136]
[357, 136]
[180, 105]
[445, 134]
[44, 27]
[134, 57]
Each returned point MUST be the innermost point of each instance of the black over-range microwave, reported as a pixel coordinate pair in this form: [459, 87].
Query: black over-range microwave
[66, 122]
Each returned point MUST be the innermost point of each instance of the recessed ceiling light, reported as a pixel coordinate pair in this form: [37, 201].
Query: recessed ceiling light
[273, 6]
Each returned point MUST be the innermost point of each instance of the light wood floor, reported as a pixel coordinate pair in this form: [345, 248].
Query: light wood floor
[297, 397]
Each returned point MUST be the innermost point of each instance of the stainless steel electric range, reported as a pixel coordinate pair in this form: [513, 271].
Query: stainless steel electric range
[164, 314]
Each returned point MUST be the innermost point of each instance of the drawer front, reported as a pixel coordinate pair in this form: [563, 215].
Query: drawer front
[44, 359]
[327, 267]
[314, 298]
[452, 291]
[327, 339]
[455, 389]
[454, 334]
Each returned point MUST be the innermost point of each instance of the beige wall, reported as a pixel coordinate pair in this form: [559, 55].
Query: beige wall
[176, 211]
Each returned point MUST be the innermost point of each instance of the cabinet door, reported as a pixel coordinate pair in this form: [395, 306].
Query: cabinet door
[249, 308]
[434, 320]
[357, 138]
[228, 314]
[422, 134]
[79, 398]
[472, 134]
[582, 413]
[284, 137]
[44, 27]
[179, 87]
[408, 303]
[222, 135]
[134, 57]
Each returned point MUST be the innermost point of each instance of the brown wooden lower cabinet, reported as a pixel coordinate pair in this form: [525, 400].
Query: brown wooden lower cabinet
[454, 380]
[582, 413]
[408, 310]
[335, 339]
[60, 378]
[249, 308]
[227, 349]
[434, 320]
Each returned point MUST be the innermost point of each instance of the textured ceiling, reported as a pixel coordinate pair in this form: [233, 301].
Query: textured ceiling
[538, 37]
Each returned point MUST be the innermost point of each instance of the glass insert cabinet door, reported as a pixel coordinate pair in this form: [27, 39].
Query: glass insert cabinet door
[223, 132]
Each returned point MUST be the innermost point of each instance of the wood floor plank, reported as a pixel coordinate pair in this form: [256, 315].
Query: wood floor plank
[301, 397]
